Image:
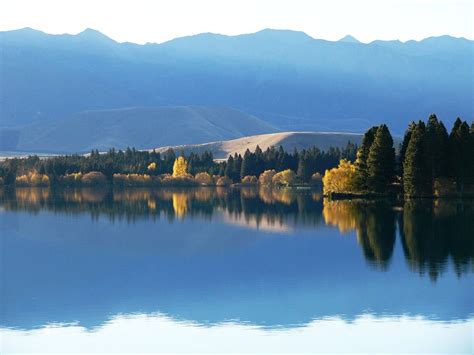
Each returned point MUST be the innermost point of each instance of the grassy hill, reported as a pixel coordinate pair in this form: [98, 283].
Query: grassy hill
[139, 127]
[288, 140]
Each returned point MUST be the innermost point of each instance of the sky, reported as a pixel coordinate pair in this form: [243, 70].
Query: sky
[143, 21]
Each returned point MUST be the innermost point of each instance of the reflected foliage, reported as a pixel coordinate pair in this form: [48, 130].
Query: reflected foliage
[374, 223]
[435, 235]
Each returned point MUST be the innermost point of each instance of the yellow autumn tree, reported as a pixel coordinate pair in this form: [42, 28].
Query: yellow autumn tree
[180, 167]
[152, 166]
[340, 179]
[284, 178]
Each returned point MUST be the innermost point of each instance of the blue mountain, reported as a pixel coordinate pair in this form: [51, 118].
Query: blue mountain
[287, 78]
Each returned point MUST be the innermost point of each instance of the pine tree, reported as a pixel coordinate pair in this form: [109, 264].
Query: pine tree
[404, 146]
[460, 150]
[229, 168]
[416, 174]
[303, 169]
[437, 147]
[361, 159]
[248, 164]
[381, 160]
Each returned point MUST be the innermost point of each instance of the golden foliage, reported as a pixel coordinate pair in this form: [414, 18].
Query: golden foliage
[340, 214]
[340, 179]
[134, 180]
[32, 179]
[180, 167]
[180, 203]
[152, 166]
[266, 177]
[284, 178]
[94, 178]
[249, 180]
[223, 181]
[204, 178]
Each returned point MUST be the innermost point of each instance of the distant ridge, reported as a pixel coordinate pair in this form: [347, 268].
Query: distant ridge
[349, 39]
[287, 78]
[139, 127]
[288, 140]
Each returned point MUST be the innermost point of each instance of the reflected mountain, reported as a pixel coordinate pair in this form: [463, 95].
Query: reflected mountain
[260, 256]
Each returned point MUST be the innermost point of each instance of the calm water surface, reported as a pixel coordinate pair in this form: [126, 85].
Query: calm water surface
[233, 270]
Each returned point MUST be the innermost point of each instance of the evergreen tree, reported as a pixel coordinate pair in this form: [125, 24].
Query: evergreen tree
[248, 164]
[404, 146]
[381, 160]
[416, 173]
[303, 168]
[361, 159]
[229, 168]
[437, 147]
[460, 151]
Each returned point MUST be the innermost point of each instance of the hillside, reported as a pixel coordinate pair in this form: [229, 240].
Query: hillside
[287, 78]
[288, 140]
[139, 127]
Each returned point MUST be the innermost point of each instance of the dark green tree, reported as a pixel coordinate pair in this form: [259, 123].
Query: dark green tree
[248, 164]
[460, 154]
[362, 156]
[416, 173]
[437, 147]
[404, 146]
[381, 161]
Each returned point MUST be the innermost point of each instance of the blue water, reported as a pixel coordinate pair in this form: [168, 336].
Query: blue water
[277, 261]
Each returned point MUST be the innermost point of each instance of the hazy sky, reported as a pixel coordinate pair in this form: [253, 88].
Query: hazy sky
[144, 21]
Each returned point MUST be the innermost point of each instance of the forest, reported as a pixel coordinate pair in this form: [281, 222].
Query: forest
[429, 162]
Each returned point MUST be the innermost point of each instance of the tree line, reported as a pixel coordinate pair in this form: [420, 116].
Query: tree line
[134, 162]
[430, 162]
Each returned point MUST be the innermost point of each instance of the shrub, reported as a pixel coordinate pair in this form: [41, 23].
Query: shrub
[249, 180]
[266, 177]
[32, 179]
[134, 180]
[284, 178]
[204, 179]
[73, 179]
[94, 178]
[224, 181]
[316, 179]
[340, 179]
[186, 180]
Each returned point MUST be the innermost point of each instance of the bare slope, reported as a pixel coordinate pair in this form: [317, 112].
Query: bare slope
[288, 140]
[141, 127]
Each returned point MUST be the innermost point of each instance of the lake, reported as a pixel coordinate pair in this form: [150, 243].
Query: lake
[233, 270]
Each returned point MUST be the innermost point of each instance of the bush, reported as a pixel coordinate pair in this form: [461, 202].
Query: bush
[186, 180]
[32, 179]
[73, 179]
[224, 181]
[284, 178]
[141, 180]
[94, 178]
[316, 179]
[266, 177]
[249, 180]
[340, 179]
[204, 179]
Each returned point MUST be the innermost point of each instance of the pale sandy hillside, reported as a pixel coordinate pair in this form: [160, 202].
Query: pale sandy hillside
[288, 140]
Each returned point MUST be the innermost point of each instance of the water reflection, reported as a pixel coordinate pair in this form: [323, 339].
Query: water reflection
[268, 257]
[432, 232]
[374, 223]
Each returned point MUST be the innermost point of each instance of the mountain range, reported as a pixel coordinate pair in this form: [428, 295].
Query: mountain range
[282, 80]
